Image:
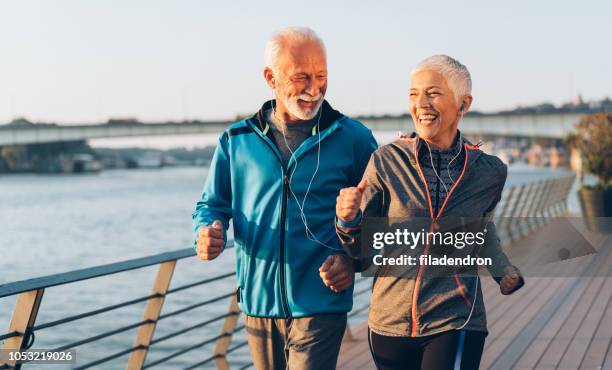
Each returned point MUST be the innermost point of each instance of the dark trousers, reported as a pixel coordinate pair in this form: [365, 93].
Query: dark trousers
[450, 350]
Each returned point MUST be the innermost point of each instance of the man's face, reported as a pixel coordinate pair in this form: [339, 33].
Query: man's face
[300, 81]
[433, 107]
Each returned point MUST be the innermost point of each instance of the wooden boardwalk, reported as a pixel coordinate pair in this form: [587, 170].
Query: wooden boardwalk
[552, 323]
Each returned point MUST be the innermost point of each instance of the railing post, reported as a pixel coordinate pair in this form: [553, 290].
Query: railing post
[23, 319]
[566, 191]
[502, 217]
[515, 212]
[531, 212]
[227, 330]
[152, 312]
[535, 209]
[539, 208]
[558, 196]
[523, 222]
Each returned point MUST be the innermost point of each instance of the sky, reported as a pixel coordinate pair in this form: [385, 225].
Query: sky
[77, 61]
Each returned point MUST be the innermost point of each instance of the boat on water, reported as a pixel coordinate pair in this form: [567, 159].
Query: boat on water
[84, 163]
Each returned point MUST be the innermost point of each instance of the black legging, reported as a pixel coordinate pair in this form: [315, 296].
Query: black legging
[450, 350]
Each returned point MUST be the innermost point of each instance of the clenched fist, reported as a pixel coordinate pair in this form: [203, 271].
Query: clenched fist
[512, 281]
[210, 241]
[337, 272]
[349, 201]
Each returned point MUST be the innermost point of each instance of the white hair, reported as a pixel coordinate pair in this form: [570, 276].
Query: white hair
[289, 34]
[456, 74]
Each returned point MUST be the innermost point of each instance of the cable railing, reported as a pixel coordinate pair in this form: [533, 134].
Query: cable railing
[523, 209]
[23, 328]
[526, 208]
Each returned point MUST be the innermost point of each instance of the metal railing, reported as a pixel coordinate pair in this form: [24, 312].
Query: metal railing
[526, 208]
[523, 210]
[23, 328]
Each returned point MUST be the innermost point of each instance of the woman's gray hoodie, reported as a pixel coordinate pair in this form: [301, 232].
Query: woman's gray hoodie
[419, 303]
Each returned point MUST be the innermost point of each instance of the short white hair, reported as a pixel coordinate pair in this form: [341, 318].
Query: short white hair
[284, 35]
[456, 74]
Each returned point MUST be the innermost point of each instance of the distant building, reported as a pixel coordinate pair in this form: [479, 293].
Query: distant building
[20, 122]
[124, 121]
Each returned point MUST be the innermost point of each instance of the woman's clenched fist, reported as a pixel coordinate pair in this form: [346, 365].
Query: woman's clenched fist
[349, 201]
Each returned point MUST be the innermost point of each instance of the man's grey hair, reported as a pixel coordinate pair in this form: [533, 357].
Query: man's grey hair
[456, 74]
[285, 35]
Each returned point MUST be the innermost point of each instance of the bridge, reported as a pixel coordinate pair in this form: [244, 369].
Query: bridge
[553, 126]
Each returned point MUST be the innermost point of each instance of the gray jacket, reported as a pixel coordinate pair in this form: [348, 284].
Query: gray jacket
[420, 304]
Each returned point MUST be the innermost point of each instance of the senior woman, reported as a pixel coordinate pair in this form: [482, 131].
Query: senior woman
[417, 321]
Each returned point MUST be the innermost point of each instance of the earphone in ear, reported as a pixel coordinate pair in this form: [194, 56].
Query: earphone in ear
[461, 107]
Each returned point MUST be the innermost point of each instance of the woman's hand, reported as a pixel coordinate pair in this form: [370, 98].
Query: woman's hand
[512, 281]
[349, 201]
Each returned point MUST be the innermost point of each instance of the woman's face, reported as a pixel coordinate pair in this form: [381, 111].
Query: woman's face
[433, 108]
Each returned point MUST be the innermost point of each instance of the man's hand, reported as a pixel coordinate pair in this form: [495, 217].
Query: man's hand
[337, 272]
[210, 241]
[349, 201]
[512, 281]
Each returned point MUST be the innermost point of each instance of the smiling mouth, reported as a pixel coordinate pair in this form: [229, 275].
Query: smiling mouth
[307, 103]
[427, 118]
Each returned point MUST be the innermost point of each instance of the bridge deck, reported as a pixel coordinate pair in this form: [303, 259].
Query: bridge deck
[553, 322]
[537, 125]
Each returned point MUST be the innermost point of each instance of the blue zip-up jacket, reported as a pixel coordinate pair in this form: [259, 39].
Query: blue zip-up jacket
[276, 262]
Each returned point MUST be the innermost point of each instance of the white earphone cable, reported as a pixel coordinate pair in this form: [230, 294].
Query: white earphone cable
[309, 233]
[445, 188]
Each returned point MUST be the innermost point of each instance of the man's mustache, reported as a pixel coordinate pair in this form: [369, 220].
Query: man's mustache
[308, 98]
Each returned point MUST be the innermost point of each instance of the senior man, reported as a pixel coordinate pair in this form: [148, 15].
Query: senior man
[277, 174]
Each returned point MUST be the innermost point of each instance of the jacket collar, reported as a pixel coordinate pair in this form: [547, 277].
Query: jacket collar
[328, 116]
[414, 143]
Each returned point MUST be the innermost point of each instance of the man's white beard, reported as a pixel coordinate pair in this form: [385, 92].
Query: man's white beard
[304, 114]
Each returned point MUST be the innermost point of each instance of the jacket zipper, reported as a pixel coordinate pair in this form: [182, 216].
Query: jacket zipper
[282, 246]
[415, 292]
[437, 205]
[283, 222]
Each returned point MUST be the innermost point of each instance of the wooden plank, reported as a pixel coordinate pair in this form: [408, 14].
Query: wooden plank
[368, 365]
[362, 358]
[514, 319]
[532, 354]
[586, 333]
[356, 353]
[494, 301]
[558, 345]
[608, 362]
[596, 353]
[523, 341]
[152, 312]
[503, 304]
[23, 319]
[502, 314]
[227, 330]
[360, 334]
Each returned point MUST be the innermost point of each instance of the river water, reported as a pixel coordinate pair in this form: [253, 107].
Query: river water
[57, 223]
